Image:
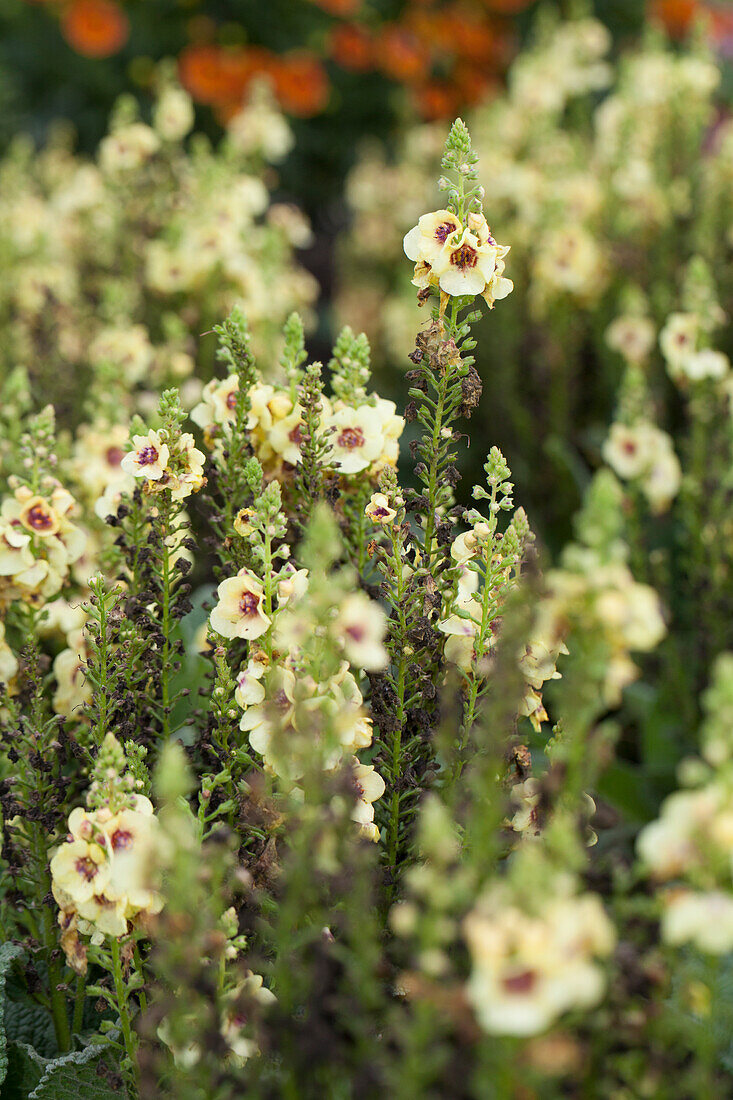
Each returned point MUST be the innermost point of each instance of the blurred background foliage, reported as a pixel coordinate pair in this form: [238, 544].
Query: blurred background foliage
[341, 69]
[346, 72]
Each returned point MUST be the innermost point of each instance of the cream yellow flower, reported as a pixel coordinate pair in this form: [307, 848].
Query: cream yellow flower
[269, 722]
[250, 690]
[293, 585]
[529, 969]
[379, 511]
[239, 612]
[368, 787]
[703, 918]
[705, 364]
[148, 458]
[80, 870]
[631, 336]
[173, 115]
[285, 436]
[466, 266]
[38, 516]
[678, 339]
[189, 475]
[73, 689]
[234, 1022]
[428, 238]
[357, 438]
[127, 148]
[15, 552]
[360, 626]
[8, 660]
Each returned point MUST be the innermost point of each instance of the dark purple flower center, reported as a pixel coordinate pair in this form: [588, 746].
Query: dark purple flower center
[464, 257]
[121, 838]
[350, 438]
[248, 604]
[39, 518]
[87, 868]
[444, 230]
[520, 983]
[148, 456]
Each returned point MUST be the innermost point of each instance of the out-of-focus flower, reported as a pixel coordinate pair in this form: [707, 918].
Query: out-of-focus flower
[360, 626]
[528, 969]
[95, 28]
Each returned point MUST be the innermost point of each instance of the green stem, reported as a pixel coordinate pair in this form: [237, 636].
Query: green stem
[81, 985]
[55, 974]
[469, 710]
[396, 761]
[433, 476]
[267, 580]
[102, 649]
[50, 940]
[121, 995]
[165, 665]
[142, 999]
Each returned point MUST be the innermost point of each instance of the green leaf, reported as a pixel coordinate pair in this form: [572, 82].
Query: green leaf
[73, 1076]
[23, 1073]
[627, 789]
[9, 952]
[31, 1024]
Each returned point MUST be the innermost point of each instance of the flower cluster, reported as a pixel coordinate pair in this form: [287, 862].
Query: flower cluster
[603, 595]
[300, 699]
[360, 437]
[690, 845]
[112, 291]
[687, 361]
[458, 259]
[643, 453]
[38, 543]
[101, 874]
[531, 967]
[163, 463]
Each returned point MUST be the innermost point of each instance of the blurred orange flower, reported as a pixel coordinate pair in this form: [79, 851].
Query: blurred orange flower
[95, 28]
[722, 27]
[677, 15]
[437, 99]
[202, 72]
[402, 55]
[507, 7]
[301, 83]
[351, 47]
[339, 7]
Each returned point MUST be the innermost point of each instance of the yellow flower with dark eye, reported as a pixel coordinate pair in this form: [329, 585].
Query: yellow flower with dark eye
[360, 626]
[456, 258]
[243, 522]
[379, 511]
[148, 458]
[81, 870]
[38, 516]
[239, 614]
[357, 438]
[426, 241]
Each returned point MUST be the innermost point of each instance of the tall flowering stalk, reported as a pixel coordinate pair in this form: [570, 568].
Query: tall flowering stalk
[456, 258]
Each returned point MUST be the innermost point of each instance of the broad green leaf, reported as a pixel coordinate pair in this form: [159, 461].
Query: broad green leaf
[31, 1024]
[9, 952]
